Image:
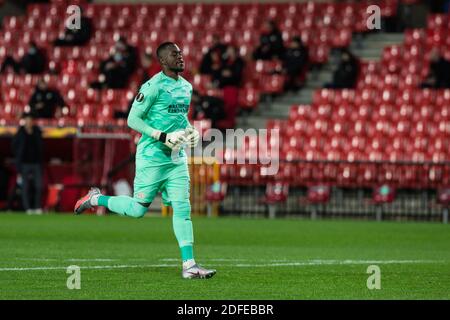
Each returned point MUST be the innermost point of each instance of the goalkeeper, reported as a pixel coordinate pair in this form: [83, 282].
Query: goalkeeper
[159, 113]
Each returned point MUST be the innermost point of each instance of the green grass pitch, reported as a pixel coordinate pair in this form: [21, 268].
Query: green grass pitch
[123, 258]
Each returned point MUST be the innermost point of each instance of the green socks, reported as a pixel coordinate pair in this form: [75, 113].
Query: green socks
[182, 224]
[103, 201]
[187, 253]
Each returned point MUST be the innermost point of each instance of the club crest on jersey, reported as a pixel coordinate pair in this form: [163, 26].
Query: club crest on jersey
[140, 97]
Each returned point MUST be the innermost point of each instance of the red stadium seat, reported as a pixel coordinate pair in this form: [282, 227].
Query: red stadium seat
[105, 114]
[436, 21]
[272, 84]
[276, 193]
[387, 116]
[248, 98]
[318, 195]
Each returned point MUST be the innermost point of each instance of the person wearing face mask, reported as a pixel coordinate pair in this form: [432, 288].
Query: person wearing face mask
[214, 55]
[116, 70]
[439, 74]
[270, 43]
[148, 66]
[231, 69]
[346, 74]
[228, 78]
[295, 62]
[32, 62]
[208, 107]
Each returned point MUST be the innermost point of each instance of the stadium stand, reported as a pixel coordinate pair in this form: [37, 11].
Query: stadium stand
[386, 131]
[191, 25]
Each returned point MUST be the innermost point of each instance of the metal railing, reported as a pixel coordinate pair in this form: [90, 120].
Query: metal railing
[351, 183]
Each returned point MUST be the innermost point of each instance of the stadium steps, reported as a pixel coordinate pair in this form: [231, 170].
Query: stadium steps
[280, 106]
[371, 47]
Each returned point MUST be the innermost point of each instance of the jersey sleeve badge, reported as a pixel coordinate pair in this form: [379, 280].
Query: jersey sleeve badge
[139, 97]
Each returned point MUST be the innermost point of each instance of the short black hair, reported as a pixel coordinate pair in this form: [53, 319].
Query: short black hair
[163, 46]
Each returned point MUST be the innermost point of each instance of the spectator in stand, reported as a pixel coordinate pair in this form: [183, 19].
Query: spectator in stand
[295, 62]
[28, 151]
[76, 36]
[213, 56]
[149, 66]
[270, 43]
[116, 70]
[32, 62]
[346, 74]
[46, 102]
[439, 74]
[227, 75]
[231, 69]
[207, 107]
[129, 54]
[215, 68]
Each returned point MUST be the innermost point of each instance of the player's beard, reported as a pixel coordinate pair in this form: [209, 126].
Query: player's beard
[177, 69]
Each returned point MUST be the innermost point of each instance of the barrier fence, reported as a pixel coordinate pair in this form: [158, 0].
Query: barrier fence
[366, 189]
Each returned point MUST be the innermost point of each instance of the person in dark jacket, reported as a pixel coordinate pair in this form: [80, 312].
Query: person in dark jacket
[207, 107]
[346, 74]
[231, 69]
[32, 62]
[28, 152]
[439, 74]
[149, 66]
[76, 36]
[270, 43]
[45, 102]
[116, 70]
[295, 61]
[214, 55]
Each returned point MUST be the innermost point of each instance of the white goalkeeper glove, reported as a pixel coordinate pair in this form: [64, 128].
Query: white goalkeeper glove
[192, 137]
[173, 140]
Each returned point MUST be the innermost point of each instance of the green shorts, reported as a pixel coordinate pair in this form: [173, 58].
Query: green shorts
[171, 179]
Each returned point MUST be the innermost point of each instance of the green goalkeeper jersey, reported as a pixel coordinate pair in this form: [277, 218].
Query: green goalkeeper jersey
[163, 104]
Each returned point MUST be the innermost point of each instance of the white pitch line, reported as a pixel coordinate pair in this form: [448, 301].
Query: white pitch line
[336, 262]
[36, 259]
[239, 265]
[91, 267]
[87, 260]
[53, 259]
[214, 259]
